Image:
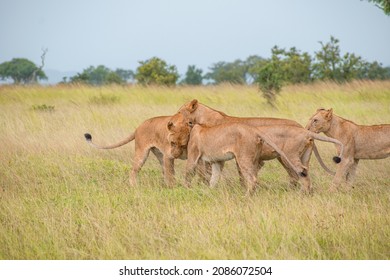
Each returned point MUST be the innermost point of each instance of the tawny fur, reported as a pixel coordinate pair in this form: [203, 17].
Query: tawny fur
[224, 142]
[150, 136]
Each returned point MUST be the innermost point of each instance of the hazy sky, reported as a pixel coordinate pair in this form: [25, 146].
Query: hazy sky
[119, 33]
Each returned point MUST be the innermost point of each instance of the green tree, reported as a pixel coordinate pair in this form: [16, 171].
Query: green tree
[296, 66]
[114, 78]
[351, 66]
[125, 75]
[21, 71]
[98, 75]
[193, 76]
[282, 68]
[236, 72]
[327, 62]
[79, 78]
[330, 65]
[253, 63]
[374, 71]
[101, 75]
[228, 72]
[270, 77]
[384, 5]
[156, 71]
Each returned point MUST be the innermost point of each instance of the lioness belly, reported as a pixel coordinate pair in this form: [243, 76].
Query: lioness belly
[218, 157]
[373, 154]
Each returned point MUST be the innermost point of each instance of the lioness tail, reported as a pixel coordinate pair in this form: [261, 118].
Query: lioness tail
[336, 159]
[267, 139]
[128, 139]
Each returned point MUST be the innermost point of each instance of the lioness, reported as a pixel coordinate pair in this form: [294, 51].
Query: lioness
[224, 142]
[197, 113]
[290, 144]
[360, 141]
[151, 135]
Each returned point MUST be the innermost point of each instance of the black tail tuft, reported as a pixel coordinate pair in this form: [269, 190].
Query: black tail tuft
[303, 173]
[337, 159]
[88, 137]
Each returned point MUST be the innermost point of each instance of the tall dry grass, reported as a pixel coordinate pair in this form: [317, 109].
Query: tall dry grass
[60, 199]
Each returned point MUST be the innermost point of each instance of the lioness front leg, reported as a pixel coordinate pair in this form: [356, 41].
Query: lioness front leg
[190, 170]
[169, 171]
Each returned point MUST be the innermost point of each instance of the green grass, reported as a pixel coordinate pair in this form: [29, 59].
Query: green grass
[61, 199]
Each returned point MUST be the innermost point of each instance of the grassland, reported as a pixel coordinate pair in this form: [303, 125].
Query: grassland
[61, 199]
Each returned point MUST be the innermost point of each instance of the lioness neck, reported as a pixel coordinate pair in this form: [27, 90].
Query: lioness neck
[337, 127]
[209, 117]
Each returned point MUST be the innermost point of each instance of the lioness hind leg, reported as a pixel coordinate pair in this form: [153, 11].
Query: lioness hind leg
[190, 171]
[159, 155]
[204, 171]
[251, 182]
[341, 173]
[216, 170]
[304, 176]
[306, 184]
[240, 175]
[139, 160]
[248, 168]
[352, 172]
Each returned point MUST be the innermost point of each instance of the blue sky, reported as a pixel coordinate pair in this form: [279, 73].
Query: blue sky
[119, 33]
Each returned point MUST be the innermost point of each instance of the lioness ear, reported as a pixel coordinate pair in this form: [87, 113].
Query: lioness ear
[329, 114]
[193, 105]
[169, 125]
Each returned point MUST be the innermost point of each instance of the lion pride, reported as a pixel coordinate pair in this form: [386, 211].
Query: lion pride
[288, 132]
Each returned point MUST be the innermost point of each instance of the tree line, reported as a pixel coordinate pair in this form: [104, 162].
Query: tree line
[285, 66]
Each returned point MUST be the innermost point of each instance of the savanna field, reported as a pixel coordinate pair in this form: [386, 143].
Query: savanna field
[62, 199]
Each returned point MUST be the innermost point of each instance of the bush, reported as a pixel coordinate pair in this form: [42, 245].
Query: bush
[43, 108]
[104, 99]
[156, 71]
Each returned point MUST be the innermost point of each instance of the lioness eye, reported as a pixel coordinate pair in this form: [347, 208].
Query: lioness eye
[315, 120]
[173, 144]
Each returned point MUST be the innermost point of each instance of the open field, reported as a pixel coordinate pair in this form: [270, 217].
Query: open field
[61, 199]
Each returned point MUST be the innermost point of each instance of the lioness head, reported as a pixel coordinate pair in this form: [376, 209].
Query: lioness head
[179, 134]
[320, 121]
